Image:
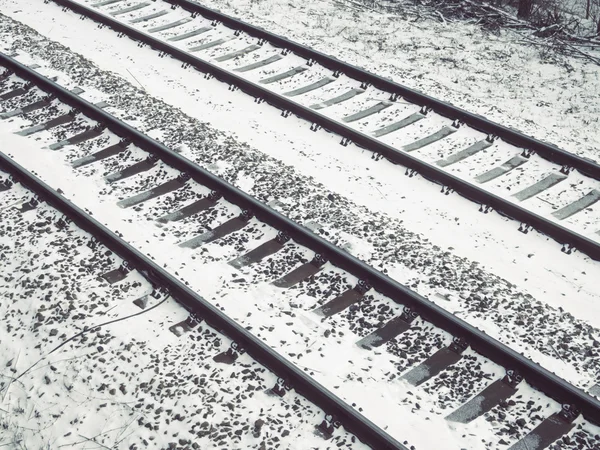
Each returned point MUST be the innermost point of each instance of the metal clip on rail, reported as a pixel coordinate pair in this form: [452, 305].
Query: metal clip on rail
[513, 378]
[93, 243]
[282, 237]
[7, 183]
[152, 159]
[459, 345]
[328, 426]
[281, 387]
[62, 223]
[231, 354]
[33, 203]
[362, 287]
[318, 260]
[566, 169]
[124, 142]
[527, 153]
[568, 249]
[160, 292]
[246, 215]
[183, 177]
[409, 315]
[193, 320]
[346, 141]
[235, 350]
[569, 413]
[125, 267]
[215, 195]
[525, 228]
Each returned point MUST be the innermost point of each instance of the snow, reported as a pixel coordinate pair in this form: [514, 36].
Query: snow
[331, 356]
[288, 163]
[495, 75]
[358, 111]
[119, 384]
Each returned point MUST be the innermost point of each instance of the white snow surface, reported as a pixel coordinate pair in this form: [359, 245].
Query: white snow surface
[372, 393]
[129, 384]
[532, 169]
[534, 270]
[533, 265]
[539, 92]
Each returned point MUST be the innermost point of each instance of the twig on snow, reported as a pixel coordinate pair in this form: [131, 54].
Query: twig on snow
[343, 29]
[94, 441]
[442, 16]
[584, 54]
[87, 330]
[143, 88]
[557, 354]
[116, 444]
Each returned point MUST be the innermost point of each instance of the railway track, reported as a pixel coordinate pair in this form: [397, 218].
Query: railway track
[537, 184]
[142, 172]
[72, 264]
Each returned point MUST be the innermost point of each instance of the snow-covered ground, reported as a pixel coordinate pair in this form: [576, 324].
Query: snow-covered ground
[83, 367]
[336, 362]
[535, 272]
[302, 331]
[494, 165]
[549, 96]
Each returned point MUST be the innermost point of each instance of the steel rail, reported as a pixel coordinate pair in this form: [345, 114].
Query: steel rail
[353, 421]
[546, 150]
[512, 136]
[468, 190]
[547, 382]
